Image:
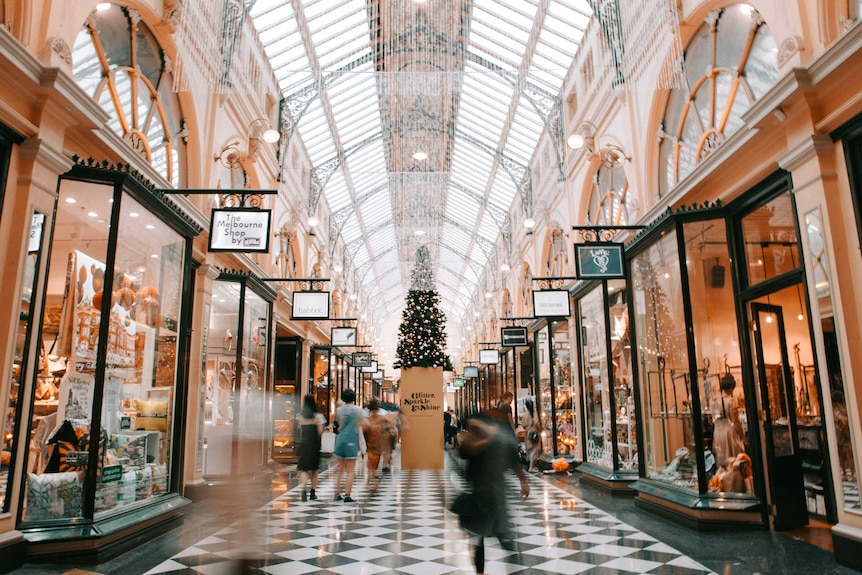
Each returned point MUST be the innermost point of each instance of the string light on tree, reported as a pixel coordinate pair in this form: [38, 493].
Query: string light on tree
[422, 333]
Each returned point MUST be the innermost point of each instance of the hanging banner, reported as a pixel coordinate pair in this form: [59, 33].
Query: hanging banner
[310, 305]
[513, 336]
[239, 230]
[599, 261]
[362, 359]
[471, 371]
[551, 303]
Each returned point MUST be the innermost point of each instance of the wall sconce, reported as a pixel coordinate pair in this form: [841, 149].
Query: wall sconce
[611, 155]
[232, 156]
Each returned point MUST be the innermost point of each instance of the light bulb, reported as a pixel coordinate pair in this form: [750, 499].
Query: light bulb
[575, 141]
[271, 136]
[530, 223]
[313, 221]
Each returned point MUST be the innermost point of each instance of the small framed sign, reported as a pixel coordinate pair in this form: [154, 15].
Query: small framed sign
[343, 336]
[458, 382]
[551, 303]
[310, 305]
[471, 371]
[370, 368]
[489, 356]
[239, 230]
[377, 374]
[362, 359]
[514, 336]
[599, 261]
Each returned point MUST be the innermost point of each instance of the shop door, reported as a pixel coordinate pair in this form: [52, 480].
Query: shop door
[786, 491]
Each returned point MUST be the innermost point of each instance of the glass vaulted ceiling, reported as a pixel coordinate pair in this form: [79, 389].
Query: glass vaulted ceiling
[368, 84]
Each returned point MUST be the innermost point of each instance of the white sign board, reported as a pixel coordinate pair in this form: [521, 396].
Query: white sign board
[36, 226]
[489, 357]
[239, 230]
[551, 303]
[343, 336]
[310, 305]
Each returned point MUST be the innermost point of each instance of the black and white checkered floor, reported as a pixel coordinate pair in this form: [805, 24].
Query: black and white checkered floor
[406, 528]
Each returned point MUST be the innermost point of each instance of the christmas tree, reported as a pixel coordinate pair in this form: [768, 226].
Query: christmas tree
[422, 333]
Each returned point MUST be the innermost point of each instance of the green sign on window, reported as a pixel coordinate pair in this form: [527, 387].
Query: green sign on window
[112, 473]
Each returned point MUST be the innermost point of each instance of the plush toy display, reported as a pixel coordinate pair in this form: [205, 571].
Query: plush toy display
[560, 465]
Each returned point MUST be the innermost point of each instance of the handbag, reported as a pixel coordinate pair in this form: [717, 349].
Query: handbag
[533, 436]
[472, 515]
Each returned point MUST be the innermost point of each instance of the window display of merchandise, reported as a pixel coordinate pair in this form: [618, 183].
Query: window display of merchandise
[104, 387]
[237, 374]
[674, 397]
[609, 401]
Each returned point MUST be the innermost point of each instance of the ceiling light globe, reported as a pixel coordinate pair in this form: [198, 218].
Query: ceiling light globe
[102, 6]
[271, 135]
[420, 156]
[313, 221]
[529, 223]
[504, 267]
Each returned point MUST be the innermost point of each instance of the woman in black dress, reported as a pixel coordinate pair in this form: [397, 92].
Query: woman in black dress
[311, 423]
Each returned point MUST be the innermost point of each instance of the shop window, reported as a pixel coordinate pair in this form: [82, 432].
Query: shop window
[771, 245]
[842, 421]
[104, 418]
[235, 420]
[47, 369]
[730, 63]
[117, 60]
[664, 376]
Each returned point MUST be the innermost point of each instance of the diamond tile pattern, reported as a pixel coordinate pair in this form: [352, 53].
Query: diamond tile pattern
[407, 528]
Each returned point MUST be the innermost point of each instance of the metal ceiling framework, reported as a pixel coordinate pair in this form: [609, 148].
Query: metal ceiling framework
[473, 84]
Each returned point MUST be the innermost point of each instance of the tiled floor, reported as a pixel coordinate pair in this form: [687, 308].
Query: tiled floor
[407, 529]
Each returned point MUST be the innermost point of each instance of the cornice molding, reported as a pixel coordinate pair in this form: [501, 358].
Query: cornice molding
[809, 148]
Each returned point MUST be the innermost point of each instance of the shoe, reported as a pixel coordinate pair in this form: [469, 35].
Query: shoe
[385, 470]
[304, 496]
[313, 495]
[348, 499]
[337, 498]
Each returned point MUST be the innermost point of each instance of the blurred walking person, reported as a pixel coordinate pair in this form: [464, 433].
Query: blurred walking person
[347, 443]
[490, 448]
[311, 424]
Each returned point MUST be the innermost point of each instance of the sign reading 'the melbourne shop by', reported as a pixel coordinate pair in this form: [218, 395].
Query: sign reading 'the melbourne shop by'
[239, 230]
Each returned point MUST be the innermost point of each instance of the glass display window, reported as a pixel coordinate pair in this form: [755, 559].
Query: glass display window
[104, 425]
[609, 409]
[771, 245]
[45, 387]
[565, 398]
[663, 362]
[236, 414]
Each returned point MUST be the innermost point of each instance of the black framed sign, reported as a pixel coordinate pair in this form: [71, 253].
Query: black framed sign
[513, 336]
[370, 368]
[599, 261]
[310, 305]
[362, 359]
[489, 356]
[471, 371]
[342, 336]
[551, 303]
[239, 230]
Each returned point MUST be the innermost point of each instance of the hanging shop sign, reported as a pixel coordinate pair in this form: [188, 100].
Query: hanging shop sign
[342, 336]
[513, 336]
[310, 305]
[362, 359]
[471, 371]
[239, 230]
[599, 261]
[489, 357]
[388, 385]
[551, 303]
[377, 375]
[458, 382]
[370, 368]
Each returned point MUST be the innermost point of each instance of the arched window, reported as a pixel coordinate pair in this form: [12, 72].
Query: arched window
[608, 205]
[117, 60]
[729, 64]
